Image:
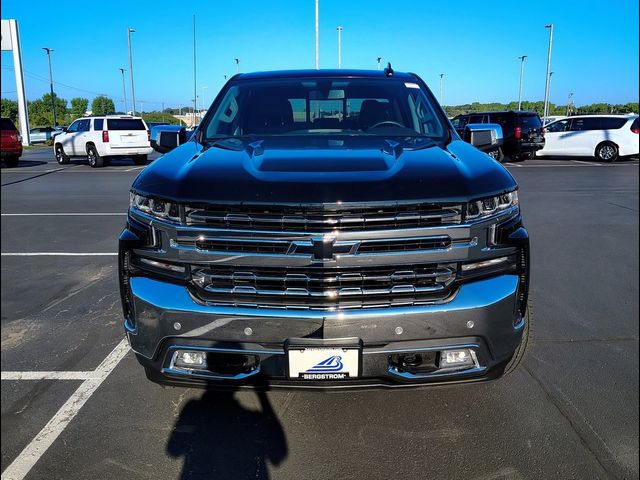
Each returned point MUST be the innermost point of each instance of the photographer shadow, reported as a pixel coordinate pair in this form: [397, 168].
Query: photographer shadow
[221, 439]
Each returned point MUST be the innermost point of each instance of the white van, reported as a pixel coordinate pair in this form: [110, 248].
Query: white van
[606, 137]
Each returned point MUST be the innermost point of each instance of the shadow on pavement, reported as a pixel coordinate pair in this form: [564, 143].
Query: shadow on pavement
[220, 439]
[25, 164]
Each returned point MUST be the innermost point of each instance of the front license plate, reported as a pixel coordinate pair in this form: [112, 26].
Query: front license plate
[323, 363]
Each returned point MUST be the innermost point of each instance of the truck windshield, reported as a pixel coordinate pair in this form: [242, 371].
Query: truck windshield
[326, 106]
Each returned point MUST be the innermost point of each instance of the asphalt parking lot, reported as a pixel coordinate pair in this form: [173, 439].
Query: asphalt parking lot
[76, 405]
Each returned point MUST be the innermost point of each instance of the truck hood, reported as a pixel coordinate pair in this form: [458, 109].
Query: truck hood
[322, 171]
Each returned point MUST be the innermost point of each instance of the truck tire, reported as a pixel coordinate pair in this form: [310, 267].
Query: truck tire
[521, 351]
[607, 152]
[140, 159]
[12, 161]
[61, 157]
[497, 155]
[95, 160]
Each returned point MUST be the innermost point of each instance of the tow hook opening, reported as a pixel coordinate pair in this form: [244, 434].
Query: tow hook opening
[415, 363]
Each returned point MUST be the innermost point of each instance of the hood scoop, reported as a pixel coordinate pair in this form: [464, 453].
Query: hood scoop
[318, 161]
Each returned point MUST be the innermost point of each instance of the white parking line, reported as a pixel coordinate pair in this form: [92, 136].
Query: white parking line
[65, 214]
[59, 254]
[47, 375]
[24, 462]
[587, 163]
[135, 168]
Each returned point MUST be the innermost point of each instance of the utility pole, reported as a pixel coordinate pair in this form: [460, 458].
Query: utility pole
[204, 104]
[162, 103]
[124, 90]
[521, 77]
[53, 103]
[195, 88]
[317, 36]
[237, 60]
[569, 104]
[549, 95]
[548, 78]
[133, 91]
[441, 96]
[339, 46]
[378, 64]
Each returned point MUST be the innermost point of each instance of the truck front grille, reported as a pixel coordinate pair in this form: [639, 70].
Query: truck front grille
[322, 287]
[325, 218]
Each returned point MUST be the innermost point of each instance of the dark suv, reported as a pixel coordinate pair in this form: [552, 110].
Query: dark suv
[522, 132]
[324, 229]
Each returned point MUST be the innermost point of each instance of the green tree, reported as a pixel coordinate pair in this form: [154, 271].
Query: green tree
[102, 105]
[160, 117]
[10, 109]
[40, 113]
[79, 106]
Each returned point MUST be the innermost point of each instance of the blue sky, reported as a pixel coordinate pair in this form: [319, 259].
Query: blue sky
[474, 43]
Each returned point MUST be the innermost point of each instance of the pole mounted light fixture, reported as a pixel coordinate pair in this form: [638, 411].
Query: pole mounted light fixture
[124, 90]
[53, 103]
[548, 76]
[521, 79]
[339, 29]
[133, 90]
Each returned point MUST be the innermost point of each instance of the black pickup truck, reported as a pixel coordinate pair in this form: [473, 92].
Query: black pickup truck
[324, 229]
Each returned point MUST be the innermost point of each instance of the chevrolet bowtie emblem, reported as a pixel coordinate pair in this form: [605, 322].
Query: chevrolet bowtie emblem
[323, 248]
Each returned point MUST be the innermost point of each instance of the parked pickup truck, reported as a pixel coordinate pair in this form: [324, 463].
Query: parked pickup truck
[324, 229]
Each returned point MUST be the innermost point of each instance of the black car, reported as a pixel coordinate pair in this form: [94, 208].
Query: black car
[522, 132]
[324, 229]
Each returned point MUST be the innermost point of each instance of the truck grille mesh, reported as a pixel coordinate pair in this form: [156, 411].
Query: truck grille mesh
[323, 288]
[323, 218]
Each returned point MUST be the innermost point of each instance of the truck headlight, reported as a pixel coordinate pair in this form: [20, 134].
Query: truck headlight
[490, 206]
[155, 207]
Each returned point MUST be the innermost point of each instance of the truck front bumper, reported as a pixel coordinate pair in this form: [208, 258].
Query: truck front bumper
[482, 318]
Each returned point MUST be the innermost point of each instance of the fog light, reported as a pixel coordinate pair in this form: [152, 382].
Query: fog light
[457, 358]
[190, 359]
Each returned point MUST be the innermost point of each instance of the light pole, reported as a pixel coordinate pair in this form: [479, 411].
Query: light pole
[569, 104]
[133, 91]
[378, 63]
[124, 90]
[441, 97]
[521, 77]
[548, 78]
[195, 87]
[237, 60]
[203, 102]
[53, 103]
[548, 98]
[339, 46]
[317, 35]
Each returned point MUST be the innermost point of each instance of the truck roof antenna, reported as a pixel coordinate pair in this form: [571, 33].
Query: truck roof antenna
[388, 72]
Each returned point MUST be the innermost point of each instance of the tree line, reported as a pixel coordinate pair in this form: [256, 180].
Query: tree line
[594, 108]
[41, 115]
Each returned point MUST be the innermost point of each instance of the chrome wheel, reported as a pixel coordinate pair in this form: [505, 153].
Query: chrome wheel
[607, 152]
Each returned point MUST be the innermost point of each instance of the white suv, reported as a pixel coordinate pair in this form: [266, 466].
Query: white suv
[605, 137]
[102, 138]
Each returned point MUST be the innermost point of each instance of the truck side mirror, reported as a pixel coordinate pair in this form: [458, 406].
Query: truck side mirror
[164, 138]
[483, 136]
